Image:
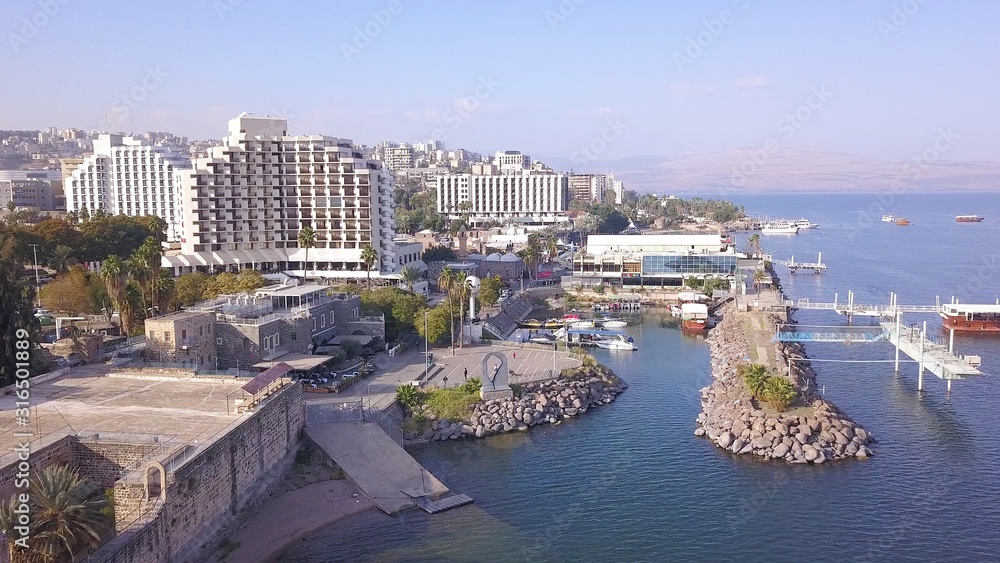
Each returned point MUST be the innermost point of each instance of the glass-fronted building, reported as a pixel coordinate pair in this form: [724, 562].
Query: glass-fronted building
[651, 260]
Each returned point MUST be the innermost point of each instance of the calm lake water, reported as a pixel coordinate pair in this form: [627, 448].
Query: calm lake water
[629, 481]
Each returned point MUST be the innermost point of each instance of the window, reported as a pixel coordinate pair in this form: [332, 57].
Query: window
[267, 342]
[277, 340]
[322, 320]
[218, 341]
[184, 335]
[166, 336]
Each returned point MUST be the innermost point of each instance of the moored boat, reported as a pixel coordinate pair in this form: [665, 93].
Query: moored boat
[804, 223]
[694, 317]
[582, 325]
[617, 343]
[779, 228]
[968, 219]
[615, 324]
[968, 317]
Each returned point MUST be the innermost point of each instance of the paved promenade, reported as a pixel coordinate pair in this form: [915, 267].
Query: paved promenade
[410, 365]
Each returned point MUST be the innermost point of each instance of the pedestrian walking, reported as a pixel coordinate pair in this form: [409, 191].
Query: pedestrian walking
[465, 374]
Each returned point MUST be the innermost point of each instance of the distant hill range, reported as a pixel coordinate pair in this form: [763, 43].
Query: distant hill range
[788, 169]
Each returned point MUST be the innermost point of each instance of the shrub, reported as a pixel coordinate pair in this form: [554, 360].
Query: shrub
[452, 404]
[599, 289]
[408, 396]
[779, 392]
[471, 386]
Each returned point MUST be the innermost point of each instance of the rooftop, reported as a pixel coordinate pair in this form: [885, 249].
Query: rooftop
[86, 402]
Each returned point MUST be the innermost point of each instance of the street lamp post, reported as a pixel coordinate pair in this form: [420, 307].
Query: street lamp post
[38, 286]
[426, 363]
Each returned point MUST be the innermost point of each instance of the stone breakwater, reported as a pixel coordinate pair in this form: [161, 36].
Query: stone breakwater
[812, 431]
[546, 402]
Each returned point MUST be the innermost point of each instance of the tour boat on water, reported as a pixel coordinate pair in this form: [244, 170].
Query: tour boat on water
[694, 317]
[968, 219]
[888, 219]
[779, 228]
[617, 343]
[805, 224]
[967, 317]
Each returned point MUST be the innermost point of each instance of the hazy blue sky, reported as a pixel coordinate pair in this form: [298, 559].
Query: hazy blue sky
[544, 77]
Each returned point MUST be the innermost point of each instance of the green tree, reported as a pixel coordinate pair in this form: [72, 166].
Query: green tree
[399, 307]
[307, 240]
[408, 396]
[62, 258]
[369, 256]
[758, 278]
[115, 275]
[70, 293]
[779, 392]
[188, 290]
[17, 319]
[350, 348]
[438, 253]
[146, 268]
[489, 290]
[438, 323]
[447, 280]
[67, 516]
[752, 247]
[248, 281]
[410, 275]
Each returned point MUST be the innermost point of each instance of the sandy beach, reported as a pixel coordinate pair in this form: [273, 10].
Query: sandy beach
[267, 531]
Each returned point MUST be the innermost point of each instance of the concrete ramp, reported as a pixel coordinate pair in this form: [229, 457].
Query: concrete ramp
[377, 465]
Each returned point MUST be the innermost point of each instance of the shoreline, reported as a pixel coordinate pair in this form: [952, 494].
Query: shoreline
[271, 528]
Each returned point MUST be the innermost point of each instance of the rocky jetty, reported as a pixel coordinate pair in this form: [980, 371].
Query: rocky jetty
[546, 402]
[812, 431]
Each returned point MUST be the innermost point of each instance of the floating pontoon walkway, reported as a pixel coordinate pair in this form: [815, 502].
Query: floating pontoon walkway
[447, 503]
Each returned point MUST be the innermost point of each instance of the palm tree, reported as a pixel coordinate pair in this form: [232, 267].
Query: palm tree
[146, 262]
[462, 288]
[307, 240]
[62, 258]
[368, 257]
[410, 276]
[753, 248]
[115, 276]
[66, 517]
[446, 283]
[758, 277]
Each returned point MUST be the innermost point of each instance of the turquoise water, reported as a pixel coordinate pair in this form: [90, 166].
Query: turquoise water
[629, 481]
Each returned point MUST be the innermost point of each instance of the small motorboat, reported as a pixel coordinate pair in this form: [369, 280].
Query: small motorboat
[617, 343]
[582, 325]
[615, 324]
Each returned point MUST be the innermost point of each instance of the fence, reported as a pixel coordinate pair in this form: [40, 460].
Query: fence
[325, 413]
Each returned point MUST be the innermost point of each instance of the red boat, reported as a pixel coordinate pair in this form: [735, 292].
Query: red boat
[971, 318]
[969, 219]
[694, 317]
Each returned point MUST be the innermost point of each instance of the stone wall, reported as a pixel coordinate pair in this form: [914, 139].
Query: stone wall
[60, 451]
[106, 462]
[212, 486]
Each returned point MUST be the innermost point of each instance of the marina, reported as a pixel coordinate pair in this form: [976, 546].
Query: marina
[817, 267]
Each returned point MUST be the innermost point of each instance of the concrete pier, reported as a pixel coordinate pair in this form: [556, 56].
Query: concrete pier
[376, 464]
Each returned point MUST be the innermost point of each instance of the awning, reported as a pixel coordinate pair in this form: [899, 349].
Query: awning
[297, 361]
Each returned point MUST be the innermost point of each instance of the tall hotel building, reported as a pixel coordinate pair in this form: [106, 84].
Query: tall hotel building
[124, 176]
[505, 192]
[247, 200]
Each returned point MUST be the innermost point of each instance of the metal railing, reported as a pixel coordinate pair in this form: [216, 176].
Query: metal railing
[326, 413]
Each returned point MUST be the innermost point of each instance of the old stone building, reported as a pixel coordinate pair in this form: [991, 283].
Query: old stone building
[186, 337]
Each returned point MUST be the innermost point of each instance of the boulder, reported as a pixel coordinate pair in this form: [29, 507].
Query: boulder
[725, 440]
[738, 444]
[809, 453]
[780, 450]
[699, 432]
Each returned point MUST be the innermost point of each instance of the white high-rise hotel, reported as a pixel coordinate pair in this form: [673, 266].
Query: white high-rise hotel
[123, 176]
[246, 202]
[506, 192]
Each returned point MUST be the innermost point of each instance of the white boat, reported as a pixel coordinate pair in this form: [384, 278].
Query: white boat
[888, 219]
[805, 224]
[615, 324]
[582, 325]
[782, 228]
[617, 343]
